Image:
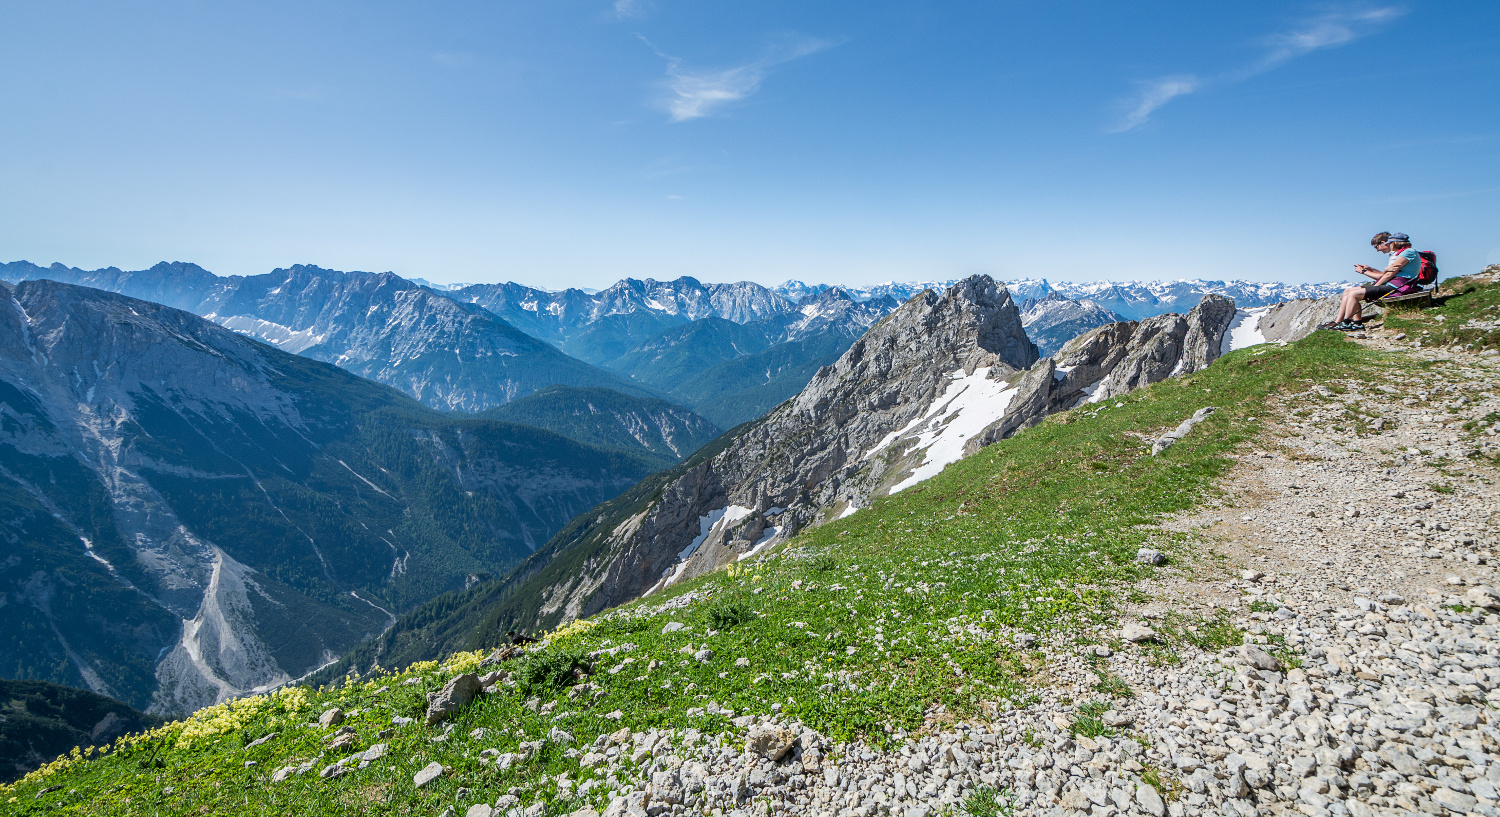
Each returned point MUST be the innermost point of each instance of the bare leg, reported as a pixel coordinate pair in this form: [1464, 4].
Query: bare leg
[1351, 305]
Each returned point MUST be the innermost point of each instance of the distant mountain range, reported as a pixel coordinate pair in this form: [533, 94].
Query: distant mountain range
[730, 352]
[1053, 320]
[189, 514]
[447, 354]
[1133, 300]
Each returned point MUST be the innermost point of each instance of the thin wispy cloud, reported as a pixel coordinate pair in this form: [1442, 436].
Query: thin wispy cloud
[1151, 96]
[693, 94]
[626, 9]
[1330, 29]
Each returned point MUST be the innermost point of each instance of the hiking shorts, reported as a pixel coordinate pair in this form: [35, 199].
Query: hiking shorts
[1372, 292]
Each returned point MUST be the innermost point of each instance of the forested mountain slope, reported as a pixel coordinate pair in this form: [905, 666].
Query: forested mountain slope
[611, 419]
[39, 721]
[190, 514]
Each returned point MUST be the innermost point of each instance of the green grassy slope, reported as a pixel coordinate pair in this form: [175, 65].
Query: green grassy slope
[909, 604]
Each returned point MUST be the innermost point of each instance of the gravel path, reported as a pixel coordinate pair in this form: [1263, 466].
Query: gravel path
[1368, 553]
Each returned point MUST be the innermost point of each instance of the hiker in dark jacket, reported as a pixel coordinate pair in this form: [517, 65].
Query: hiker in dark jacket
[1400, 270]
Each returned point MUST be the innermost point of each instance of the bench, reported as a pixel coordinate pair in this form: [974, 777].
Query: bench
[1421, 299]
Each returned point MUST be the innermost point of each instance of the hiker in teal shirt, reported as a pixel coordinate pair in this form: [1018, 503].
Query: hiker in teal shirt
[1400, 271]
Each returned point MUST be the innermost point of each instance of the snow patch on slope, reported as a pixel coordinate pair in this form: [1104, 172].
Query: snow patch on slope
[1244, 331]
[284, 338]
[967, 405]
[711, 523]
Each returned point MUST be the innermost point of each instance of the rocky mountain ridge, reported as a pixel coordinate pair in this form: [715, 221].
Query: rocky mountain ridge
[1054, 319]
[445, 353]
[884, 417]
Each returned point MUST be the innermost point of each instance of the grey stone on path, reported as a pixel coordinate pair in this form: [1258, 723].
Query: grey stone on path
[1135, 633]
[331, 717]
[770, 742]
[1258, 658]
[479, 810]
[1150, 556]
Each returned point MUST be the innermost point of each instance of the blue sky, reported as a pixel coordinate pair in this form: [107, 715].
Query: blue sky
[565, 143]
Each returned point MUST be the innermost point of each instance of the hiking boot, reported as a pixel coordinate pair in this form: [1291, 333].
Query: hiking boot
[1329, 325]
[1350, 326]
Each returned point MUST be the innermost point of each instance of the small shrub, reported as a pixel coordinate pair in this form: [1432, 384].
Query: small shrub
[1207, 634]
[724, 614]
[1170, 788]
[550, 670]
[1112, 684]
[1263, 606]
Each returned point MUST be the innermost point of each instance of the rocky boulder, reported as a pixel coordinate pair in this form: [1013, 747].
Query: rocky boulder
[455, 695]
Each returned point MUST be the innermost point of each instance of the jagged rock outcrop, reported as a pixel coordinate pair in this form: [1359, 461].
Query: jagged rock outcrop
[1114, 360]
[1294, 320]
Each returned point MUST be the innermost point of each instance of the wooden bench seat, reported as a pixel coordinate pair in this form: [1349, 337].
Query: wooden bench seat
[1421, 300]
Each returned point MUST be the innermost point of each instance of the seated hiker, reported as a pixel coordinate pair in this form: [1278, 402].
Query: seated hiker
[1398, 276]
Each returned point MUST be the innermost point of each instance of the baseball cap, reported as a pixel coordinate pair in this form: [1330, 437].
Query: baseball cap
[1399, 237]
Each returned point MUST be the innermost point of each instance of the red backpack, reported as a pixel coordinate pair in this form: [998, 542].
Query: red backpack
[1429, 271]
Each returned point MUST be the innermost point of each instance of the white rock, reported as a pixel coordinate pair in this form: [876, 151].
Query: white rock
[1135, 633]
[429, 773]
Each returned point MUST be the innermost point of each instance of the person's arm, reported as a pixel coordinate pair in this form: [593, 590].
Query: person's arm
[1397, 264]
